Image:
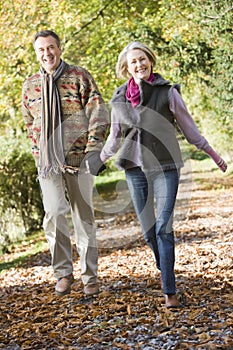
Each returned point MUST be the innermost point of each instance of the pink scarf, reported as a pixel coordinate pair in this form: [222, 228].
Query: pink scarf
[133, 92]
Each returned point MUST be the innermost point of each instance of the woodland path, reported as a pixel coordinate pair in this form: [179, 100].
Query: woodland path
[129, 312]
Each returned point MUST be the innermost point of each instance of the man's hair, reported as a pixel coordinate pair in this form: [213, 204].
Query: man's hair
[44, 34]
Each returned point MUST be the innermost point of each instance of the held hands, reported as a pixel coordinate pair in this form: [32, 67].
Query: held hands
[93, 163]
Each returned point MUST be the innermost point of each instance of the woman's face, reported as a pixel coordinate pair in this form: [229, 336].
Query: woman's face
[139, 65]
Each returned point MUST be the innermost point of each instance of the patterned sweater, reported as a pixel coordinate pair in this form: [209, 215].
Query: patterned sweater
[84, 114]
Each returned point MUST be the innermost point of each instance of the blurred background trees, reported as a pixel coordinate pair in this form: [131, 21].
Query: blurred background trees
[193, 43]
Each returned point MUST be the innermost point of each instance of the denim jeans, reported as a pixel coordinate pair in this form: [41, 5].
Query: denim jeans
[156, 221]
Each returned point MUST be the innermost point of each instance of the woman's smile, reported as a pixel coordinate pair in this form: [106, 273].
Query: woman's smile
[139, 65]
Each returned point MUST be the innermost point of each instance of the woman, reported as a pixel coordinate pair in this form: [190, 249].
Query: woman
[144, 111]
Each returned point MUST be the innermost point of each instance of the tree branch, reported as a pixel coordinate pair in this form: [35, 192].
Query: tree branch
[98, 14]
[221, 14]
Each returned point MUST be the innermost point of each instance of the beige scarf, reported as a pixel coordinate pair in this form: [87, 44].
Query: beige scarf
[52, 158]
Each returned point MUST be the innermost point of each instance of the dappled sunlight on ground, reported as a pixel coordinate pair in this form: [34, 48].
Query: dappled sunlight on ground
[129, 312]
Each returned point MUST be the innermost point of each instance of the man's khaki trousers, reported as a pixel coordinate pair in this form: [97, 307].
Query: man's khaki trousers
[60, 194]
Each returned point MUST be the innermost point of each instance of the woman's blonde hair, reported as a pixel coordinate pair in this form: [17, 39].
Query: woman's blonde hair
[122, 66]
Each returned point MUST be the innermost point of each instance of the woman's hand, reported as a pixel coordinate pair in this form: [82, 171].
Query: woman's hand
[222, 165]
[217, 159]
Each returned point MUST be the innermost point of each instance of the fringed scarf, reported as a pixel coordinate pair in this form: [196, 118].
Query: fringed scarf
[133, 92]
[52, 159]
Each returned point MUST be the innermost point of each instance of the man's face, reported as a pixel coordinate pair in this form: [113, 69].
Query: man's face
[48, 53]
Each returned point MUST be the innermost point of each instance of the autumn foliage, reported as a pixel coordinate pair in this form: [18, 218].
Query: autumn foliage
[129, 312]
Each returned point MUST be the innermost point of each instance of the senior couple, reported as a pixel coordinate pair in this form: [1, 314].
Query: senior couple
[67, 122]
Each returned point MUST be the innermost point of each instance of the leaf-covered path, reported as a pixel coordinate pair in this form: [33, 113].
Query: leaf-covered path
[129, 312]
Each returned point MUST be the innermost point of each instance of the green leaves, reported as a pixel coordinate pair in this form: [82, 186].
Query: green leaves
[189, 39]
[19, 190]
[193, 42]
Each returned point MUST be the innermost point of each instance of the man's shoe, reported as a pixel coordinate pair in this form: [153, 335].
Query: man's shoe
[91, 289]
[63, 285]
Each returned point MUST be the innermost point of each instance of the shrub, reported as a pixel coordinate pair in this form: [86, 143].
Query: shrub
[20, 201]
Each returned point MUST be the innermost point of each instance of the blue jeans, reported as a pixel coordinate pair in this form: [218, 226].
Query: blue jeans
[156, 223]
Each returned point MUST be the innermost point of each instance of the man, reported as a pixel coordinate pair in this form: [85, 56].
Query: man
[66, 121]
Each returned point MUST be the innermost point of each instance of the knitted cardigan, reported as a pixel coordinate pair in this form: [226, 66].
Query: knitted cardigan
[84, 114]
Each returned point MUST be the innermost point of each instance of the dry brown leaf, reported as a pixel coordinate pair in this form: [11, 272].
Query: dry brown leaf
[130, 305]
